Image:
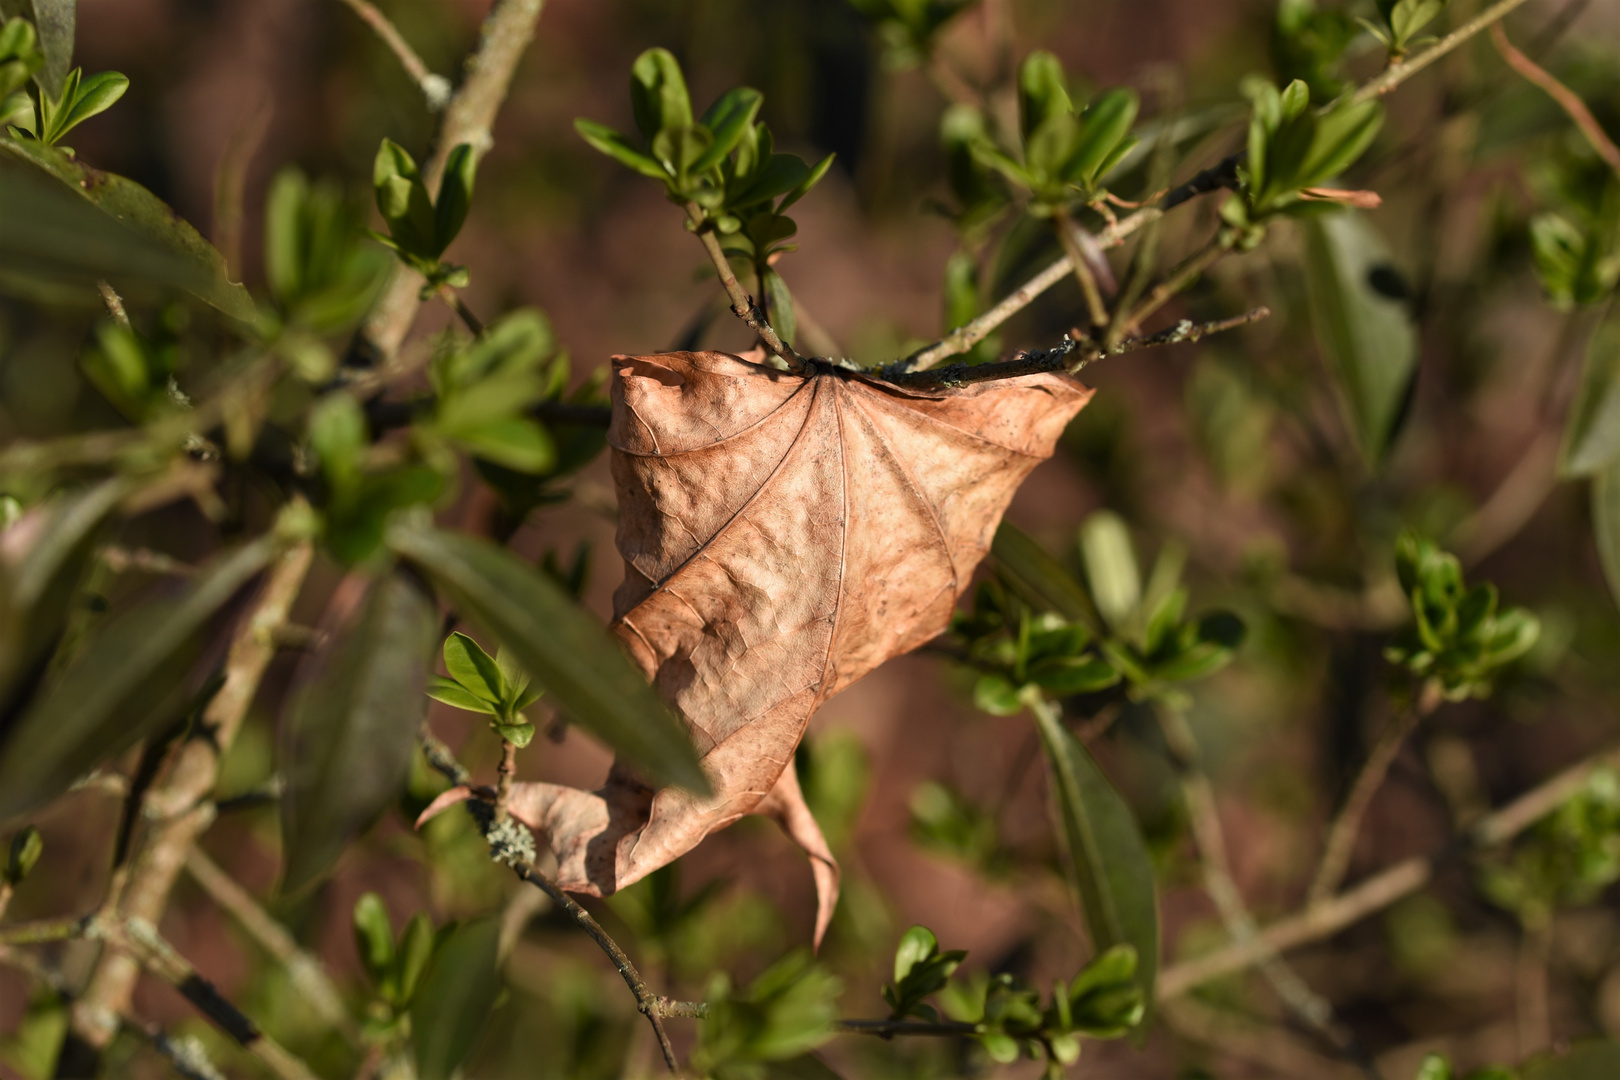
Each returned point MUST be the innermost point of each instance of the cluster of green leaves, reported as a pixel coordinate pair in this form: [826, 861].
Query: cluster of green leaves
[433, 991]
[321, 274]
[363, 485]
[481, 683]
[421, 227]
[722, 167]
[1459, 637]
[1576, 240]
[1091, 637]
[1569, 858]
[1064, 153]
[1292, 147]
[1399, 22]
[1586, 1059]
[1104, 1000]
[20, 58]
[779, 1017]
[484, 389]
[80, 99]
[920, 971]
[909, 29]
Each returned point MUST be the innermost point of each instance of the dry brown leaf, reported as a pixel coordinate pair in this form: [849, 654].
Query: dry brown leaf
[782, 536]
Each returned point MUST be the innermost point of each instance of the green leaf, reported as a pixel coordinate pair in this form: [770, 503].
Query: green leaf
[1592, 435]
[565, 649]
[1042, 91]
[411, 958]
[283, 240]
[1110, 560]
[916, 944]
[1606, 523]
[23, 855]
[519, 734]
[456, 696]
[1039, 578]
[997, 695]
[781, 174]
[92, 97]
[729, 119]
[1368, 336]
[473, 668]
[38, 585]
[802, 188]
[1074, 675]
[454, 998]
[658, 93]
[455, 195]
[174, 253]
[779, 306]
[352, 729]
[1112, 870]
[55, 22]
[1105, 124]
[616, 146]
[129, 681]
[404, 203]
[512, 441]
[373, 936]
[1342, 135]
[1434, 1067]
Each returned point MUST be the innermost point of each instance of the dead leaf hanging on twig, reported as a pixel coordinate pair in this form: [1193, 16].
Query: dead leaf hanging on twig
[782, 535]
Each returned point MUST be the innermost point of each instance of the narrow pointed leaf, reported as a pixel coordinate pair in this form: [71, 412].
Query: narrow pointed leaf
[1367, 335]
[455, 195]
[188, 259]
[567, 651]
[1113, 872]
[454, 997]
[616, 146]
[1039, 578]
[55, 23]
[352, 729]
[1592, 436]
[129, 680]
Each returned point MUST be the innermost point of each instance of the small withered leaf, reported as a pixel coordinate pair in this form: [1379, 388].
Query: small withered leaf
[782, 536]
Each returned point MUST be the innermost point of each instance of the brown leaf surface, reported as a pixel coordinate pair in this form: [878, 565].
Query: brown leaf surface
[782, 536]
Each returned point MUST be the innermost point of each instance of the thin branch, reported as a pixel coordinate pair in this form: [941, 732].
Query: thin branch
[742, 305]
[1069, 355]
[1067, 233]
[1222, 175]
[179, 810]
[140, 943]
[114, 303]
[435, 88]
[971, 333]
[1398, 73]
[41, 932]
[467, 119]
[504, 774]
[1386, 887]
[455, 303]
[647, 1002]
[1199, 796]
[1341, 837]
[1566, 98]
[305, 971]
[1179, 280]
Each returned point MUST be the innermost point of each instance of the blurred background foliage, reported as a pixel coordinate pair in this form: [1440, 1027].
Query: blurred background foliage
[1245, 511]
